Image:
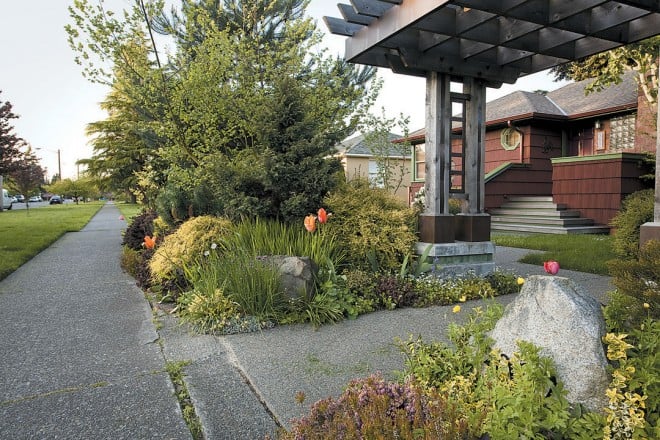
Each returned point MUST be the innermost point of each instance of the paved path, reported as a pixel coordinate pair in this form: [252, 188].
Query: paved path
[79, 357]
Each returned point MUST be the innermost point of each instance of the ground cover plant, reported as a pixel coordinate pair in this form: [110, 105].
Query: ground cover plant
[583, 253]
[25, 233]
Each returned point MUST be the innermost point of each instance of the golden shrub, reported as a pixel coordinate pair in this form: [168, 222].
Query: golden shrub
[188, 243]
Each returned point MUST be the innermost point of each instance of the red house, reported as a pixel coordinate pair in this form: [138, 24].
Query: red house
[560, 162]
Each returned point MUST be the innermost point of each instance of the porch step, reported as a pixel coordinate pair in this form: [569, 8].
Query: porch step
[541, 215]
[542, 229]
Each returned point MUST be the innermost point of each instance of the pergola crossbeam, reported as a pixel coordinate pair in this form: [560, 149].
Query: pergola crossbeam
[495, 33]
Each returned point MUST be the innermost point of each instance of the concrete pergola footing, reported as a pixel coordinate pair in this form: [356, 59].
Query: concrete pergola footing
[459, 258]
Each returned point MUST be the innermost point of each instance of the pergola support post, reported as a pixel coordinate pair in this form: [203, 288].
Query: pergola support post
[436, 224]
[651, 231]
[473, 224]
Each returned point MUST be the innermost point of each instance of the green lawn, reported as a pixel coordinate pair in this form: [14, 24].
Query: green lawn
[25, 233]
[129, 210]
[584, 253]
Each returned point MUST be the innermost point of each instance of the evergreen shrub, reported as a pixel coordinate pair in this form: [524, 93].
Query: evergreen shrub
[139, 227]
[636, 210]
[639, 282]
[377, 229]
[186, 244]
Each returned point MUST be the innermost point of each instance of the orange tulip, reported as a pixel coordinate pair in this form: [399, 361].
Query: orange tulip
[310, 223]
[323, 216]
[149, 242]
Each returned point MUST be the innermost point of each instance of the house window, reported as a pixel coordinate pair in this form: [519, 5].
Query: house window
[622, 132]
[419, 158]
[375, 176]
[510, 139]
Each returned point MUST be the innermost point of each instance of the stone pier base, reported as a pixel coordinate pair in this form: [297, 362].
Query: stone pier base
[460, 258]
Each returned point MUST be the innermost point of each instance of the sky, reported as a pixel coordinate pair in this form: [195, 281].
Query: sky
[55, 103]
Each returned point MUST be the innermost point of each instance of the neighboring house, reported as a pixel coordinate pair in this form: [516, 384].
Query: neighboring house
[375, 160]
[585, 152]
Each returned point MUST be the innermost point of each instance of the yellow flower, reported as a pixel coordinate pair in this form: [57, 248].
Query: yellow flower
[462, 298]
[647, 305]
[456, 309]
[520, 281]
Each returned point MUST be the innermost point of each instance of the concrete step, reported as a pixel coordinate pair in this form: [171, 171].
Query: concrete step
[530, 199]
[551, 213]
[549, 221]
[533, 205]
[541, 229]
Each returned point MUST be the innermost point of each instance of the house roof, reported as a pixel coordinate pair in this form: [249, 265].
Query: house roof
[568, 102]
[357, 146]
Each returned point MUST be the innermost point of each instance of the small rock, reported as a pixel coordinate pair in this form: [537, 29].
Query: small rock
[567, 323]
[298, 273]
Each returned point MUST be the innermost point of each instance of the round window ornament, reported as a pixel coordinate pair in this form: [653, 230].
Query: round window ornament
[510, 139]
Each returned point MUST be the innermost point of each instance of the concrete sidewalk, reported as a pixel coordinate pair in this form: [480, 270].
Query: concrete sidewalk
[81, 361]
[80, 358]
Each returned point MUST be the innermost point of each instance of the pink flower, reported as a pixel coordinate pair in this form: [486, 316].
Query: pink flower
[310, 223]
[121, 217]
[551, 267]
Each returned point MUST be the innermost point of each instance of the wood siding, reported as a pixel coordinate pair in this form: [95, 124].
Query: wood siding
[596, 186]
[530, 173]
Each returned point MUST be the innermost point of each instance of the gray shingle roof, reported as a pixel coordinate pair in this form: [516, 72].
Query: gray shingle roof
[574, 102]
[568, 101]
[356, 146]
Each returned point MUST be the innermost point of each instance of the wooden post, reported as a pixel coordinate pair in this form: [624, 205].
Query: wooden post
[651, 231]
[473, 224]
[475, 128]
[436, 225]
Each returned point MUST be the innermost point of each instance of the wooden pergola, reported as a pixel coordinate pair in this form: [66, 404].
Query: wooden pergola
[479, 44]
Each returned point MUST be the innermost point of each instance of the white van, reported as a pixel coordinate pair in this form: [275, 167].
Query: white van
[6, 200]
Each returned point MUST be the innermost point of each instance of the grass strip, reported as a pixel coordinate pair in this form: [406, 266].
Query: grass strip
[129, 210]
[583, 253]
[175, 370]
[24, 233]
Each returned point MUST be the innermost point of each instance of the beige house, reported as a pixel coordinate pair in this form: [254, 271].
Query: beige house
[384, 163]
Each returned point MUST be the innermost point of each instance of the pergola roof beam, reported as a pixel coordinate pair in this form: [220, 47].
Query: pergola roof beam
[341, 27]
[522, 35]
[371, 8]
[349, 14]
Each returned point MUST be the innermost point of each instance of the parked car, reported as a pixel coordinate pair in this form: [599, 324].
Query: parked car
[20, 198]
[34, 199]
[56, 200]
[7, 201]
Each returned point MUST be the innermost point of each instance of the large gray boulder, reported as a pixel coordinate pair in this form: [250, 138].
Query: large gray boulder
[567, 323]
[297, 273]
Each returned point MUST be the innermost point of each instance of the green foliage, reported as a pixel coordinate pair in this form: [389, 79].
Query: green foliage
[515, 397]
[214, 313]
[140, 226]
[634, 393]
[640, 279]
[269, 237]
[131, 261]
[10, 143]
[185, 245]
[372, 222]
[372, 408]
[607, 68]
[442, 291]
[253, 285]
[636, 210]
[582, 252]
